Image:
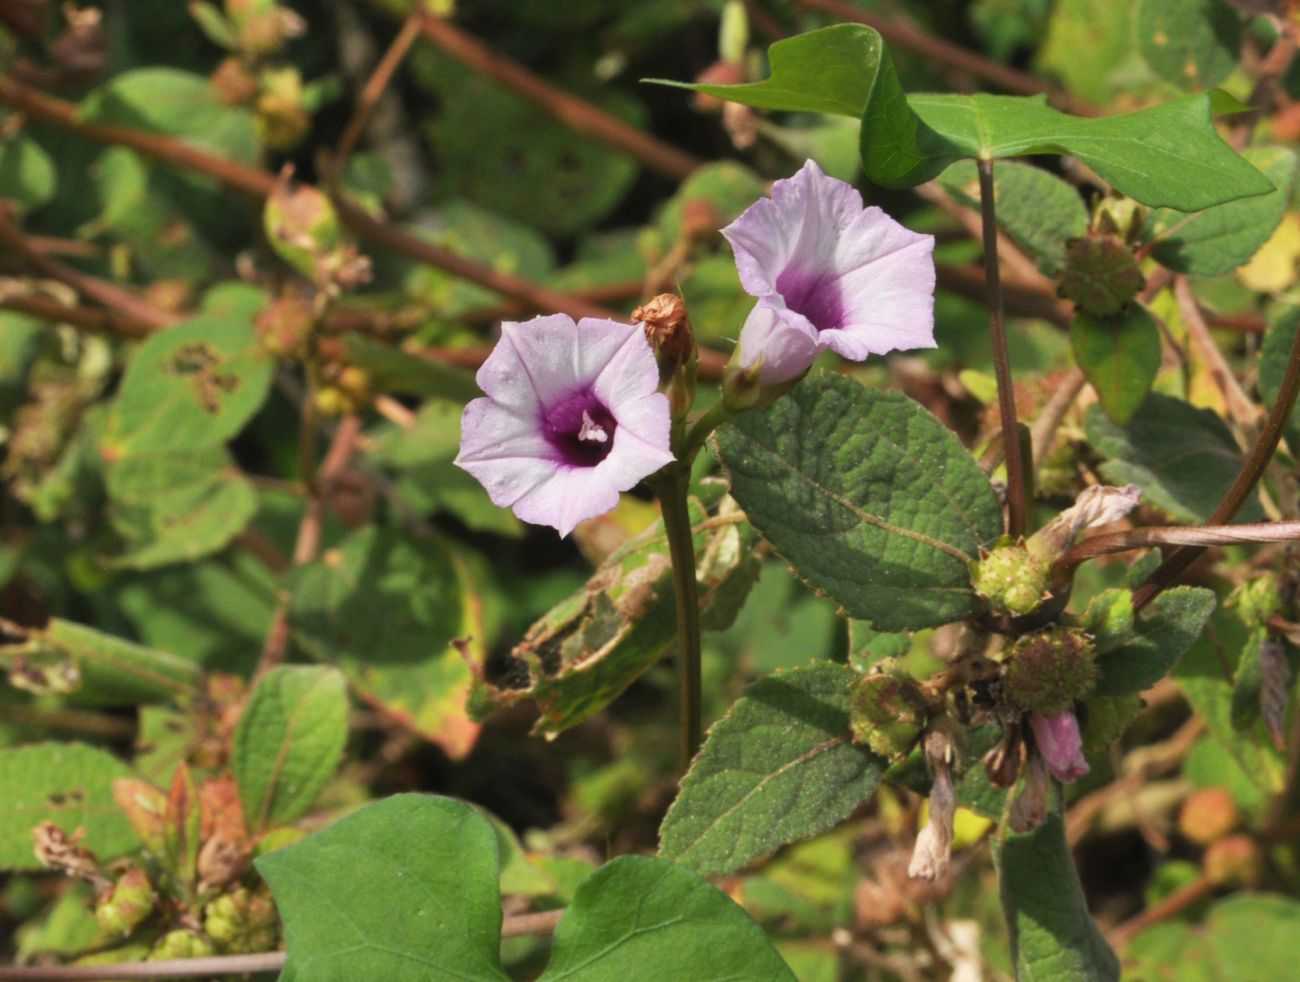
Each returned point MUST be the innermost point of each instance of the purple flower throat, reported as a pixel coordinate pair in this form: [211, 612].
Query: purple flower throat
[580, 429]
[817, 297]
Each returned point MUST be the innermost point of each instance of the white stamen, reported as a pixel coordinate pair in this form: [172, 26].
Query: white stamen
[591, 430]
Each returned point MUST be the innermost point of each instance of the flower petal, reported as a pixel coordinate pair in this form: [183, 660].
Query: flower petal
[534, 364]
[567, 496]
[799, 224]
[888, 295]
[622, 371]
[504, 450]
[1060, 744]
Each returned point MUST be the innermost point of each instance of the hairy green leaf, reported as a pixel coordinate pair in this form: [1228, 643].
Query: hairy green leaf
[288, 742]
[405, 888]
[1052, 935]
[636, 912]
[1183, 458]
[1120, 356]
[871, 499]
[69, 784]
[1219, 239]
[1135, 652]
[779, 767]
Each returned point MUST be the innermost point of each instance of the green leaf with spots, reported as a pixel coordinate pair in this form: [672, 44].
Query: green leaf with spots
[289, 740]
[1219, 239]
[69, 784]
[638, 911]
[871, 499]
[1037, 209]
[1136, 651]
[1052, 935]
[1120, 356]
[1194, 44]
[111, 671]
[1165, 156]
[385, 609]
[1284, 325]
[189, 388]
[404, 889]
[779, 767]
[177, 507]
[1183, 458]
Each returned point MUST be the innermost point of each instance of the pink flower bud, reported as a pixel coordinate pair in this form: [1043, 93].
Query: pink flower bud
[1060, 744]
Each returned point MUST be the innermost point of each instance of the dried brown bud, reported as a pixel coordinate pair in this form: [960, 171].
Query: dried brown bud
[933, 849]
[1029, 810]
[1002, 764]
[81, 51]
[701, 219]
[667, 328]
[1208, 814]
[59, 850]
[285, 326]
[234, 84]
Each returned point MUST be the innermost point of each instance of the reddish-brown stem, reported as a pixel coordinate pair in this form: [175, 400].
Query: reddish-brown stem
[906, 34]
[1170, 906]
[373, 91]
[251, 180]
[135, 310]
[1017, 506]
[577, 114]
[91, 319]
[1251, 471]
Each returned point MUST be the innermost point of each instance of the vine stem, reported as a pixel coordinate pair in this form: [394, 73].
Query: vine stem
[681, 550]
[1251, 471]
[1017, 507]
[374, 90]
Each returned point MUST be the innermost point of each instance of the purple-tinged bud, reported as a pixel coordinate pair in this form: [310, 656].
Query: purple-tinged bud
[1048, 673]
[1060, 744]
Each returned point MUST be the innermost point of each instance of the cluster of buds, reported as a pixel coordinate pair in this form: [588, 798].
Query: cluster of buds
[254, 31]
[1101, 272]
[285, 327]
[125, 905]
[242, 921]
[344, 387]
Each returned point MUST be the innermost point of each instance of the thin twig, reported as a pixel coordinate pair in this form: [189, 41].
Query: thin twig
[374, 90]
[577, 114]
[1017, 507]
[1240, 406]
[307, 543]
[1049, 419]
[91, 319]
[1170, 906]
[906, 34]
[42, 108]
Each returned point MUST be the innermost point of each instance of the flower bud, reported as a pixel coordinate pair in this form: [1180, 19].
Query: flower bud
[242, 921]
[887, 712]
[1234, 861]
[1122, 217]
[1101, 275]
[281, 117]
[1207, 815]
[285, 325]
[301, 226]
[1060, 745]
[180, 944]
[128, 902]
[1029, 810]
[1011, 579]
[1049, 672]
[1003, 763]
[262, 27]
[233, 83]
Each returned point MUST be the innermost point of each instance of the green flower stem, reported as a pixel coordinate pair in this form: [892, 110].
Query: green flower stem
[700, 430]
[1017, 507]
[673, 485]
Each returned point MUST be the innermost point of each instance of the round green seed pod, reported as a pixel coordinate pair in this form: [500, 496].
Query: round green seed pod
[1011, 580]
[1049, 672]
[887, 712]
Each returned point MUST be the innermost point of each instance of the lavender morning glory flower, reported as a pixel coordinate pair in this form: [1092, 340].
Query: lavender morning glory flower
[828, 273]
[572, 417]
[1060, 744]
